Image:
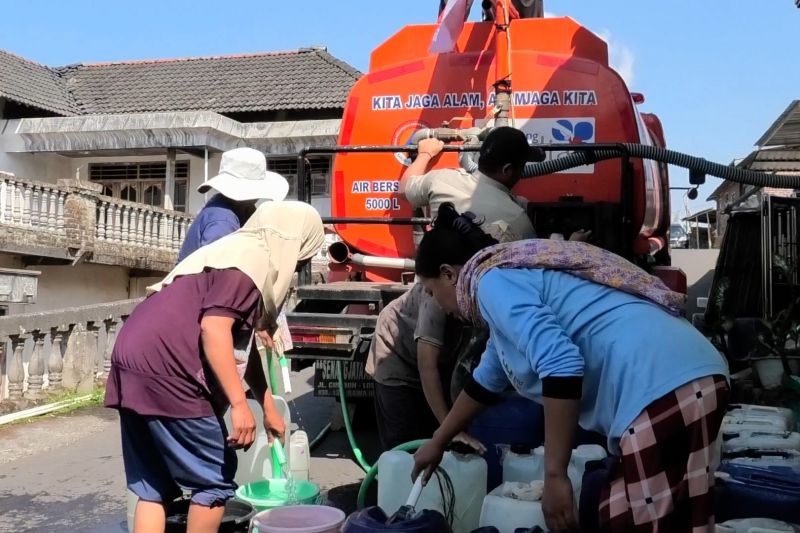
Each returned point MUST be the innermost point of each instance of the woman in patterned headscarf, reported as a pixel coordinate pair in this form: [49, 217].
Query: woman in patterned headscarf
[597, 341]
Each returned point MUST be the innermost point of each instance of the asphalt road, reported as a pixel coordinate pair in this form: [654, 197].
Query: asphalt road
[65, 472]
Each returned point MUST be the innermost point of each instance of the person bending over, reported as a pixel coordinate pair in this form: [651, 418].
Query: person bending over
[599, 343]
[178, 362]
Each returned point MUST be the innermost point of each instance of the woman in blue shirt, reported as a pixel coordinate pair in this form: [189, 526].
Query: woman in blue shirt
[596, 340]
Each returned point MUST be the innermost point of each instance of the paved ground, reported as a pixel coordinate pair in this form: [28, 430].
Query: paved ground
[65, 473]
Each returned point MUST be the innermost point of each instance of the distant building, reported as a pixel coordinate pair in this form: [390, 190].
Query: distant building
[778, 152]
[99, 163]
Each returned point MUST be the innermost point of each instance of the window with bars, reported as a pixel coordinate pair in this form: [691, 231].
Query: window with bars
[141, 181]
[320, 173]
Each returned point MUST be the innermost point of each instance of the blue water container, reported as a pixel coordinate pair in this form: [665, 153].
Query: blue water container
[374, 519]
[755, 492]
[514, 420]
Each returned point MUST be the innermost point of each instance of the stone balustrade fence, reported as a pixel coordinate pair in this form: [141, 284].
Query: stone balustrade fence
[66, 349]
[31, 204]
[119, 221]
[73, 220]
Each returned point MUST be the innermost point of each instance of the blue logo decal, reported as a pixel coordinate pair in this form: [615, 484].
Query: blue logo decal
[573, 133]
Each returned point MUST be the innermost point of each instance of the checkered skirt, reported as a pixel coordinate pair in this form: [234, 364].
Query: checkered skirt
[664, 480]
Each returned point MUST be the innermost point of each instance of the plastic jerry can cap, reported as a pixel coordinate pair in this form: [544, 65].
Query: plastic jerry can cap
[461, 448]
[520, 449]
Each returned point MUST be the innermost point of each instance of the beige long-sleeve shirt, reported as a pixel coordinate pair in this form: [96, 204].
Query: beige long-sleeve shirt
[504, 215]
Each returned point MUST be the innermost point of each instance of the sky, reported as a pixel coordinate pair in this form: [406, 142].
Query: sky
[717, 72]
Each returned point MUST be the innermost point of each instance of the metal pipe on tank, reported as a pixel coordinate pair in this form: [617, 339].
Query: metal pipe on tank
[467, 159]
[399, 263]
[339, 253]
[502, 104]
[502, 84]
[443, 134]
[470, 136]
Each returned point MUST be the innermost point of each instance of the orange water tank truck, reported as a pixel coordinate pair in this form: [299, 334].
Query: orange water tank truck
[604, 164]
[550, 78]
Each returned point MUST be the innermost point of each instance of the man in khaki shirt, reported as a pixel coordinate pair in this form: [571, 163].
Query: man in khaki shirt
[410, 353]
[412, 346]
[486, 192]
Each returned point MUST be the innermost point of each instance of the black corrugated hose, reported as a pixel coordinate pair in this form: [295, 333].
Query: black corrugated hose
[640, 151]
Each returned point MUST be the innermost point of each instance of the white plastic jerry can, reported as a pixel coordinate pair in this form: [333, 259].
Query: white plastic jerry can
[466, 472]
[299, 456]
[756, 525]
[522, 465]
[758, 418]
[509, 514]
[786, 458]
[762, 440]
[587, 453]
[255, 464]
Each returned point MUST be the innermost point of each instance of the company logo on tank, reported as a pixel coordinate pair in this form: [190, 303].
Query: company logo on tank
[402, 136]
[569, 130]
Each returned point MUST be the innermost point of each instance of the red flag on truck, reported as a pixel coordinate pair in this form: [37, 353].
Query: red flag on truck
[451, 22]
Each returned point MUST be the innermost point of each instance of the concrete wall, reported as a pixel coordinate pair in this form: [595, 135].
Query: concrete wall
[84, 284]
[138, 286]
[40, 167]
[62, 286]
[698, 265]
[322, 204]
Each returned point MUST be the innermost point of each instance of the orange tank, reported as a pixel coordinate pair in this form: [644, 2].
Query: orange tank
[563, 92]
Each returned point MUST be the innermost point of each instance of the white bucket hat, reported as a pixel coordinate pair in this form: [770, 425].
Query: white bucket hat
[243, 175]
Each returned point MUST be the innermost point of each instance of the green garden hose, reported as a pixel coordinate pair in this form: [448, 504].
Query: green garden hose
[320, 436]
[353, 444]
[273, 380]
[372, 471]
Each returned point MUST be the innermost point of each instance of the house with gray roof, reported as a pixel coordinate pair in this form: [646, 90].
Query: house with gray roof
[100, 163]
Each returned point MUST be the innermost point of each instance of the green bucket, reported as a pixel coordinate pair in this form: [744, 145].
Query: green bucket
[272, 493]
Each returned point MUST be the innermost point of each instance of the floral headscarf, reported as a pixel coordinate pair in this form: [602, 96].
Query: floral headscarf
[577, 258]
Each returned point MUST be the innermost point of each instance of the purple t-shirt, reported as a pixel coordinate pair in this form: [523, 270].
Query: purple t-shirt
[158, 366]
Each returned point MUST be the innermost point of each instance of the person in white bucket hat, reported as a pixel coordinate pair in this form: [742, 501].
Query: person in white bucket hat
[242, 182]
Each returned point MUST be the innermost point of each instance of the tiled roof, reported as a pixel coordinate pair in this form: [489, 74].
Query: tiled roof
[32, 84]
[305, 79]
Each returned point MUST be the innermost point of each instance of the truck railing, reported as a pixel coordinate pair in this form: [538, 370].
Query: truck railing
[304, 180]
[323, 328]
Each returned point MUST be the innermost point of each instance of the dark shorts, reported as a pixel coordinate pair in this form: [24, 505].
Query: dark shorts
[166, 456]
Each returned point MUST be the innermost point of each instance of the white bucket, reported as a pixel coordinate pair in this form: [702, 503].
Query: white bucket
[255, 464]
[770, 370]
